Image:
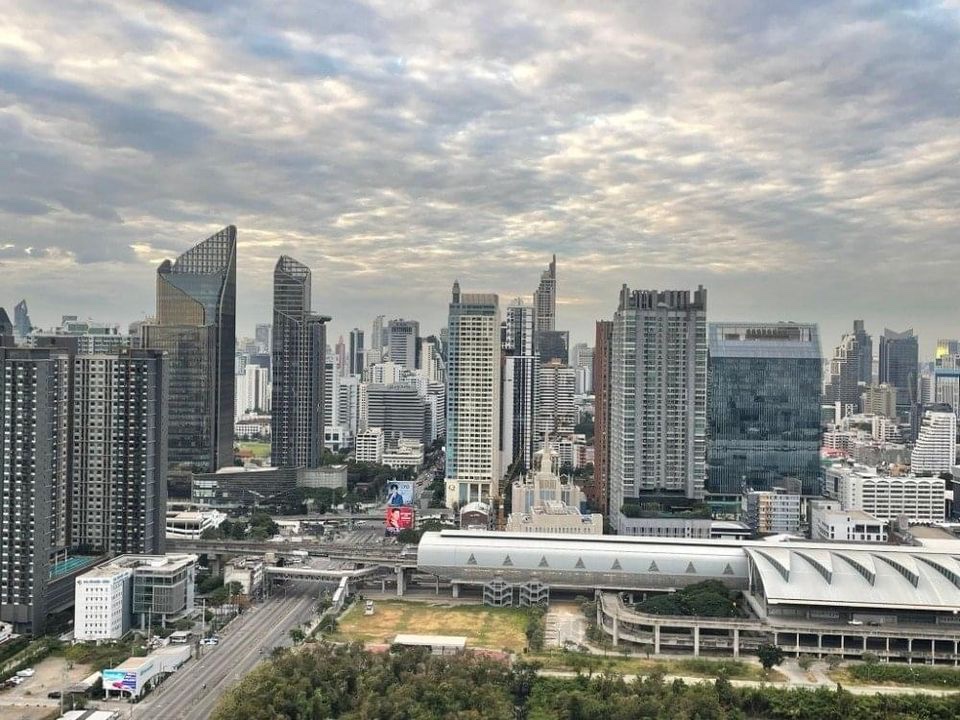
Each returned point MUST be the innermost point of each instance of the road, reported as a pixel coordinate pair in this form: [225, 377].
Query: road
[183, 695]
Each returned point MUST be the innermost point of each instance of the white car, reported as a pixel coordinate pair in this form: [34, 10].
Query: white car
[209, 641]
[29, 672]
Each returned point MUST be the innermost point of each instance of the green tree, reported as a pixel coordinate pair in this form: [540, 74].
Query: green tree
[770, 655]
[297, 635]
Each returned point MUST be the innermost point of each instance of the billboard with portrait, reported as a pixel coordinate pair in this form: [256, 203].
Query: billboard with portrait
[399, 518]
[399, 493]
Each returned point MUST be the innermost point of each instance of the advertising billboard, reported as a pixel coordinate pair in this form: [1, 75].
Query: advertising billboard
[399, 492]
[399, 518]
[120, 680]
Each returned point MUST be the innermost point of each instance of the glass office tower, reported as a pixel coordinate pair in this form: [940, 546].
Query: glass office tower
[196, 327]
[763, 407]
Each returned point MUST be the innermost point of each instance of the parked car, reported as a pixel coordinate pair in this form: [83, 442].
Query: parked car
[855, 622]
[209, 641]
[54, 694]
[28, 672]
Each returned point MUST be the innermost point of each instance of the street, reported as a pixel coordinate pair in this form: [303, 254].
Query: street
[183, 696]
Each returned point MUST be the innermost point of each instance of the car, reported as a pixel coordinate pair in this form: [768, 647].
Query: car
[209, 641]
[28, 672]
[855, 622]
[54, 694]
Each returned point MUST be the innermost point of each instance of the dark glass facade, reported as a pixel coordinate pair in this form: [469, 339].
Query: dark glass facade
[899, 359]
[299, 349]
[763, 406]
[196, 327]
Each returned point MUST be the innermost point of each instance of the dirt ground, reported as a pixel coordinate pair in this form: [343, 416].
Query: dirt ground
[52, 674]
[496, 628]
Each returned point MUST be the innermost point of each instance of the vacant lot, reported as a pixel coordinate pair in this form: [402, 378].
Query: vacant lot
[259, 449]
[693, 667]
[496, 628]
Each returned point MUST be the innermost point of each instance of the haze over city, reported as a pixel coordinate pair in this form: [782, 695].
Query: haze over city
[797, 159]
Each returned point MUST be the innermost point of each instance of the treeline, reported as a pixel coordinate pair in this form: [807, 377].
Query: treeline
[710, 598]
[327, 681]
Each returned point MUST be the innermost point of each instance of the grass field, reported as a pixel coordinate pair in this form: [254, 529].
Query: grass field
[259, 449]
[692, 667]
[495, 628]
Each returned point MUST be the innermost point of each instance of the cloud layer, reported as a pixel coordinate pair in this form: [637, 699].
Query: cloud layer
[799, 159]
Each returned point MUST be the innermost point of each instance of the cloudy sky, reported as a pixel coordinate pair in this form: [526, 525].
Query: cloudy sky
[799, 159]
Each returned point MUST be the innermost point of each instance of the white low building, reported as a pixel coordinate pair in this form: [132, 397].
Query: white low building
[246, 571]
[187, 522]
[828, 521]
[370, 445]
[102, 604]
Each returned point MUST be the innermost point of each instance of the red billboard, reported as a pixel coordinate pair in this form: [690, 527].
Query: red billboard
[399, 518]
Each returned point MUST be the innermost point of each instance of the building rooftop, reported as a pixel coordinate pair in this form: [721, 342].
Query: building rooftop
[447, 641]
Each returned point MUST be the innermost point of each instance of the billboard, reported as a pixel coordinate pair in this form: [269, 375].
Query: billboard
[399, 493]
[399, 518]
[120, 680]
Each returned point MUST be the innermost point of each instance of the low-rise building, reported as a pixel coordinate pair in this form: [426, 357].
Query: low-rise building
[237, 487]
[886, 496]
[403, 454]
[103, 603]
[252, 426]
[370, 445]
[773, 511]
[327, 476]
[188, 521]
[248, 571]
[829, 521]
[555, 517]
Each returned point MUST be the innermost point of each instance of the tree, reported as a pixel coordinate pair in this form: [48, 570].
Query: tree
[770, 656]
[805, 662]
[297, 635]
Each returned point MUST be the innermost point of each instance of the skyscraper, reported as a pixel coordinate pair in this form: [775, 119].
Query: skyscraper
[341, 353]
[261, 336]
[355, 358]
[196, 326]
[403, 339]
[6, 329]
[119, 488]
[556, 413]
[399, 410]
[843, 385]
[597, 491]
[299, 350]
[377, 336]
[21, 321]
[520, 380]
[473, 398]
[864, 353]
[34, 480]
[545, 298]
[764, 407]
[899, 361]
[658, 397]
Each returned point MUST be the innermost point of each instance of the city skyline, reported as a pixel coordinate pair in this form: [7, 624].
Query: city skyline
[793, 159]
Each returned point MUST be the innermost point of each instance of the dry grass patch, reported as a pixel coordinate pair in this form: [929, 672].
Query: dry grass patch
[496, 628]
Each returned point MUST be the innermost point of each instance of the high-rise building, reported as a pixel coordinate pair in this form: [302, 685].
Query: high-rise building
[879, 400]
[843, 387]
[431, 360]
[355, 359]
[556, 413]
[379, 331]
[658, 397]
[22, 326]
[518, 414]
[473, 398]
[553, 346]
[598, 489]
[254, 392]
[935, 451]
[399, 410]
[6, 329]
[864, 353]
[299, 349]
[520, 380]
[403, 340]
[261, 336]
[348, 404]
[763, 414]
[520, 331]
[773, 511]
[899, 361]
[119, 476]
[340, 351]
[34, 475]
[545, 298]
[196, 326]
[582, 361]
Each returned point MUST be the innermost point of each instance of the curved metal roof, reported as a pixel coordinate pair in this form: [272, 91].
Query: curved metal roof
[872, 576]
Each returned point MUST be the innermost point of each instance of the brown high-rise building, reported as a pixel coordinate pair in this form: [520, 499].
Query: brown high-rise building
[597, 490]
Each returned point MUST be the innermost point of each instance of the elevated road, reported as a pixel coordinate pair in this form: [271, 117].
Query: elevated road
[383, 555]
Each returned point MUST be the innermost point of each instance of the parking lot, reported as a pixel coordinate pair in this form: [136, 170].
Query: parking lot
[52, 673]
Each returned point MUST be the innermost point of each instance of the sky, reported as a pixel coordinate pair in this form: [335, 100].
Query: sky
[801, 160]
